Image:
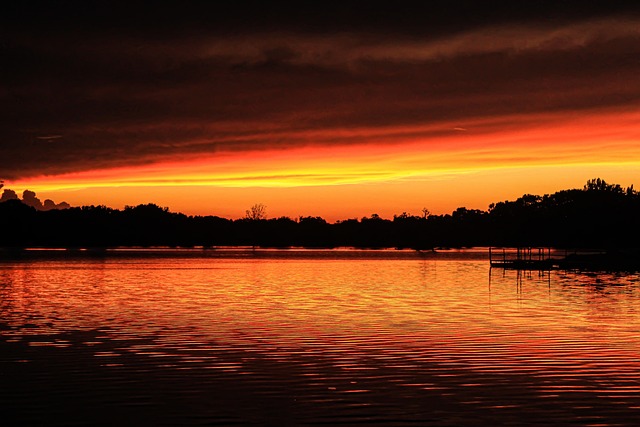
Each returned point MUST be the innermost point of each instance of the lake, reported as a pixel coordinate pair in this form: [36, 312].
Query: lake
[308, 337]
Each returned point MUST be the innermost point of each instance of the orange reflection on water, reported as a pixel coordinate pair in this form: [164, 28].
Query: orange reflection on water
[348, 321]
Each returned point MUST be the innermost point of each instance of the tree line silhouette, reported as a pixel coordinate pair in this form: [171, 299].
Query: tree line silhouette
[600, 215]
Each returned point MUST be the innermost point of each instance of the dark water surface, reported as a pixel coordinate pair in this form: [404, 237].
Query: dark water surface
[313, 337]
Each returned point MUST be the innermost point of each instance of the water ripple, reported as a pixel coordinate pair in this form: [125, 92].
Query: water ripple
[304, 340]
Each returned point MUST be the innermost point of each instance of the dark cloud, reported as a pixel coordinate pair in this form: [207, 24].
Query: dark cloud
[8, 195]
[50, 204]
[106, 84]
[169, 19]
[29, 198]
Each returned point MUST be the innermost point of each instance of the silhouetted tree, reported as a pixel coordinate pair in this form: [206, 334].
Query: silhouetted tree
[598, 184]
[18, 224]
[256, 212]
[599, 215]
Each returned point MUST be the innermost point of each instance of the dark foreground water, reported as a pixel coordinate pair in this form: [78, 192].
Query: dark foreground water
[313, 337]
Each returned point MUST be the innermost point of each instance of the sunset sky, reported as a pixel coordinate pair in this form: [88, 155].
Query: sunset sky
[339, 110]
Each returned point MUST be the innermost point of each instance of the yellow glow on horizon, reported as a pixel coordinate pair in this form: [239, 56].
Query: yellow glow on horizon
[440, 194]
[413, 162]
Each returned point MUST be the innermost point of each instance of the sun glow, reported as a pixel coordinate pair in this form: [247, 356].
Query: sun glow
[391, 160]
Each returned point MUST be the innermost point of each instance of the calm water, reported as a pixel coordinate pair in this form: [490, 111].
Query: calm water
[313, 337]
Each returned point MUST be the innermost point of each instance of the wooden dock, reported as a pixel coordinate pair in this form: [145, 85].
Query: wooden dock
[528, 258]
[538, 258]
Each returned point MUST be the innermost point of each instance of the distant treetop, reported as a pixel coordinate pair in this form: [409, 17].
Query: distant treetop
[598, 184]
[256, 212]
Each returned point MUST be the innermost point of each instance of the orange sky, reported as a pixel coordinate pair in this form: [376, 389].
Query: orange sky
[471, 166]
[340, 113]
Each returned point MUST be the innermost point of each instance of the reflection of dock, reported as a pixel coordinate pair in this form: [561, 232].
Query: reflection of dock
[522, 258]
